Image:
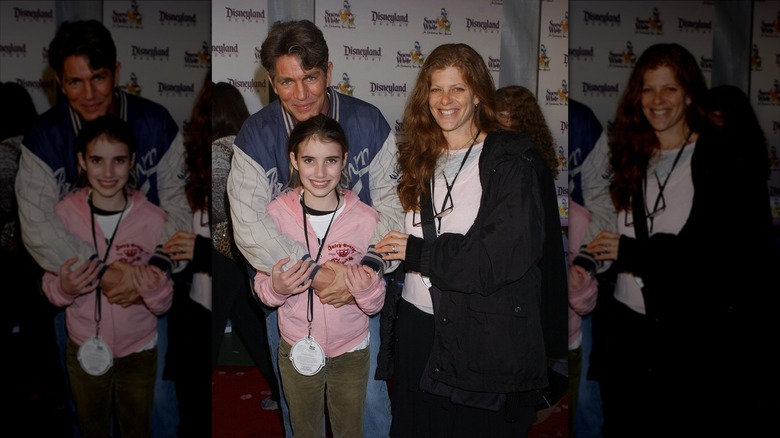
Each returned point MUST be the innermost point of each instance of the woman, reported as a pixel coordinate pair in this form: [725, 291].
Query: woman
[190, 316]
[470, 354]
[673, 340]
[518, 110]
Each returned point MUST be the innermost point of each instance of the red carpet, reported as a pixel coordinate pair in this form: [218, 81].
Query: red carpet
[236, 392]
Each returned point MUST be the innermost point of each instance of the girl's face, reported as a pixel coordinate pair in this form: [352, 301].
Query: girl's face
[107, 165]
[451, 102]
[319, 165]
[664, 102]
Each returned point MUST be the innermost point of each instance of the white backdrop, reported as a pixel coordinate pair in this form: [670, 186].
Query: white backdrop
[377, 48]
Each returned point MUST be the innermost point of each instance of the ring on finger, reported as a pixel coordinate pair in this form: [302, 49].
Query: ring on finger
[395, 250]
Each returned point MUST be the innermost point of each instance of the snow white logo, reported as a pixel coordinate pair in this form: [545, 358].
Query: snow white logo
[344, 86]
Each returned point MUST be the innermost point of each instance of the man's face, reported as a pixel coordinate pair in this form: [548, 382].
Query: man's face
[302, 93]
[89, 92]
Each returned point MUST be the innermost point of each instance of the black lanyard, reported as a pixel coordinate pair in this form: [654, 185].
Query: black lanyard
[321, 242]
[662, 187]
[98, 309]
[449, 185]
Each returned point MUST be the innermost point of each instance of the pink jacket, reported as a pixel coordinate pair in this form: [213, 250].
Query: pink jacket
[582, 298]
[125, 329]
[338, 330]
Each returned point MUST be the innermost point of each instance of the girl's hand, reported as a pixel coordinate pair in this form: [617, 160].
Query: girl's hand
[393, 246]
[146, 278]
[81, 280]
[359, 277]
[292, 281]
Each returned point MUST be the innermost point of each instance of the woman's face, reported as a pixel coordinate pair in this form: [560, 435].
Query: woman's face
[452, 102]
[664, 102]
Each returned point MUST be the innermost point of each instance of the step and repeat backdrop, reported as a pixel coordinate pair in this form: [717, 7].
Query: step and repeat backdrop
[607, 37]
[377, 48]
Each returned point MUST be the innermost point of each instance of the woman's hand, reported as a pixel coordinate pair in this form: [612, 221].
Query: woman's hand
[181, 246]
[605, 246]
[292, 281]
[393, 246]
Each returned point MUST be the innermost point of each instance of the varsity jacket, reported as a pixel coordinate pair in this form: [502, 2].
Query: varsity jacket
[260, 169]
[338, 330]
[48, 171]
[504, 299]
[125, 329]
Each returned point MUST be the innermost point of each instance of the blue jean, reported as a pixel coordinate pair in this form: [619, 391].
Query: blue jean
[589, 416]
[376, 416]
[165, 407]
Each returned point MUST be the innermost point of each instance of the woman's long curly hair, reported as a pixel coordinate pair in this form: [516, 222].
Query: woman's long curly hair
[197, 150]
[425, 142]
[634, 142]
[527, 117]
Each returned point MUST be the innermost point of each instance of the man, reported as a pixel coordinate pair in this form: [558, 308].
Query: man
[295, 55]
[83, 56]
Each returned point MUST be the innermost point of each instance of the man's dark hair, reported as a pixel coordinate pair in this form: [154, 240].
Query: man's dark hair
[302, 39]
[83, 38]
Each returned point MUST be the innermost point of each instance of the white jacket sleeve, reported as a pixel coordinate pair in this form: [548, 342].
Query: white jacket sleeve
[171, 178]
[254, 230]
[595, 190]
[383, 180]
[43, 232]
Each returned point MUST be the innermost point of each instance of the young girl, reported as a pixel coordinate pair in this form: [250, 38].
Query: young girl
[334, 225]
[111, 354]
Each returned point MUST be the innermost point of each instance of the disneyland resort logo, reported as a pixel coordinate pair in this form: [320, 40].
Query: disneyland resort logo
[385, 89]
[564, 127]
[13, 50]
[225, 50]
[173, 89]
[558, 96]
[362, 53]
[244, 15]
[178, 19]
[129, 18]
[40, 85]
[686, 25]
[605, 89]
[769, 97]
[250, 85]
[440, 25]
[650, 26]
[389, 19]
[150, 53]
[200, 58]
[771, 29]
[559, 29]
[580, 53]
[599, 19]
[625, 58]
[33, 15]
[343, 18]
[413, 58]
[482, 26]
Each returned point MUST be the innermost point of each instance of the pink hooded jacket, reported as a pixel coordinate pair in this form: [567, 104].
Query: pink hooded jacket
[125, 329]
[338, 330]
[582, 297]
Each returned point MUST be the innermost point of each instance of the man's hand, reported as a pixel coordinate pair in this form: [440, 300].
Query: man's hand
[81, 280]
[359, 277]
[336, 293]
[118, 287]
